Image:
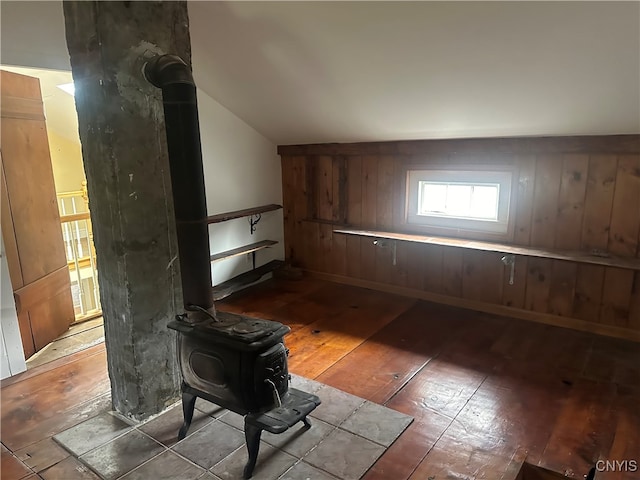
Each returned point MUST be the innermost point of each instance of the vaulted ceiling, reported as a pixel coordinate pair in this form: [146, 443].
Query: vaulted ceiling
[311, 72]
[308, 72]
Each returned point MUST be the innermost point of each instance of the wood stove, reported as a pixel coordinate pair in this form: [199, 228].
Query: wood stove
[240, 361]
[234, 361]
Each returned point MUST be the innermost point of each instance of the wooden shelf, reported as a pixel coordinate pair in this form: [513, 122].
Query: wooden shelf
[247, 212]
[237, 283]
[572, 256]
[234, 252]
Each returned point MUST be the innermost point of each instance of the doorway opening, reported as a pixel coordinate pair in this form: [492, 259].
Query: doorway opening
[73, 208]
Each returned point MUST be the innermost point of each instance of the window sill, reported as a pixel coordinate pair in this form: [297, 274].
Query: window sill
[572, 256]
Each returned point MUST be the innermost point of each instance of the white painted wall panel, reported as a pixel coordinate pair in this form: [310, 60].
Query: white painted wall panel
[11, 355]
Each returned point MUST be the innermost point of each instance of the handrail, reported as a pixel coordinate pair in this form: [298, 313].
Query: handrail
[69, 194]
[73, 217]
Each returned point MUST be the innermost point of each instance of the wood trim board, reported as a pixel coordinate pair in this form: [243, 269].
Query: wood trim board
[573, 256]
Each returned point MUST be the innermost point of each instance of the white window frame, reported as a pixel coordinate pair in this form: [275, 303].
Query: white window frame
[471, 175]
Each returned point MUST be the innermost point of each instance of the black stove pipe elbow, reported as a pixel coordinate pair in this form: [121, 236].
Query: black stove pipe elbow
[171, 74]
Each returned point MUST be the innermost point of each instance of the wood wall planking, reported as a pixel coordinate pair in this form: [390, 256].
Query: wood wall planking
[572, 193]
[625, 214]
[571, 197]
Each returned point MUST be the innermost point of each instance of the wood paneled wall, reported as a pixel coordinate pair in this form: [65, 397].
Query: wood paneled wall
[575, 193]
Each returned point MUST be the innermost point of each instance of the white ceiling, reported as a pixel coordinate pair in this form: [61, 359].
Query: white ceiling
[311, 72]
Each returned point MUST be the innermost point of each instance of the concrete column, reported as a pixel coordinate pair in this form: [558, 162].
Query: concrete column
[126, 164]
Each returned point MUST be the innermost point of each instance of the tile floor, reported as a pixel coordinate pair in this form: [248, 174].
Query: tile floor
[347, 436]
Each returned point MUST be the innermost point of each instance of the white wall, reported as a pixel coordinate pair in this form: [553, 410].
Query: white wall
[11, 353]
[242, 170]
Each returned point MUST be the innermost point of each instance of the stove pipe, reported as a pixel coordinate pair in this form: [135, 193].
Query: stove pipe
[171, 74]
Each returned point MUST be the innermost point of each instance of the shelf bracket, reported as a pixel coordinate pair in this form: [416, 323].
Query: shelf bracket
[253, 223]
[510, 260]
[385, 244]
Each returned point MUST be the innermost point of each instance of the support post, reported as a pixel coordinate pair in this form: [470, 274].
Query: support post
[126, 163]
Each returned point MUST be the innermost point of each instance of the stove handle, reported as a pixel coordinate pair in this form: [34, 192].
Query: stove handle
[274, 393]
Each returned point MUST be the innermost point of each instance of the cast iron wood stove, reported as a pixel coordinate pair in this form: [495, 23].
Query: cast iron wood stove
[234, 361]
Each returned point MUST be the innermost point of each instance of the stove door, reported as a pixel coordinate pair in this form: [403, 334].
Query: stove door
[214, 371]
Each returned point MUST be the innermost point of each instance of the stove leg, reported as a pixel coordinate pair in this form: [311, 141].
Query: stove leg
[188, 405]
[306, 422]
[252, 436]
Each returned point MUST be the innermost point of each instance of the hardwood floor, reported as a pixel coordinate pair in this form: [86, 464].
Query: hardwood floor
[486, 392]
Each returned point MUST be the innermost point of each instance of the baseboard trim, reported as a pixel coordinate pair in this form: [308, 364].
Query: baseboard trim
[502, 310]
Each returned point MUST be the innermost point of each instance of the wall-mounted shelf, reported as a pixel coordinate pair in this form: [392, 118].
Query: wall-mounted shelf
[572, 256]
[234, 252]
[247, 212]
[237, 283]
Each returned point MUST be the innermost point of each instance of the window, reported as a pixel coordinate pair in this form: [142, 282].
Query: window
[475, 200]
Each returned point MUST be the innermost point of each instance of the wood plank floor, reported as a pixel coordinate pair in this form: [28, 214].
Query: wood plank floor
[486, 392]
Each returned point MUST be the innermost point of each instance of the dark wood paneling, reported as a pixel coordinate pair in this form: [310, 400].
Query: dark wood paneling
[354, 213]
[432, 258]
[368, 258]
[482, 276]
[288, 212]
[384, 262]
[299, 208]
[634, 311]
[339, 190]
[354, 191]
[588, 294]
[545, 201]
[538, 285]
[452, 271]
[625, 216]
[599, 201]
[417, 269]
[384, 196]
[400, 272]
[513, 294]
[575, 194]
[571, 201]
[325, 232]
[369, 215]
[353, 256]
[524, 199]
[616, 297]
[338, 252]
[324, 188]
[562, 288]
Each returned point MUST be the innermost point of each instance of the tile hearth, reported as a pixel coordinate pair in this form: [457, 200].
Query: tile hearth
[347, 436]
